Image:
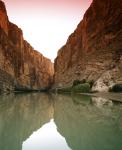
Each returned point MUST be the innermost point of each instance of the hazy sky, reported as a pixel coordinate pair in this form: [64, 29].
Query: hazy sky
[46, 24]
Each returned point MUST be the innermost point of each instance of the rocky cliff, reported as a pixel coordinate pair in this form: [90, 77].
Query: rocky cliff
[21, 66]
[94, 50]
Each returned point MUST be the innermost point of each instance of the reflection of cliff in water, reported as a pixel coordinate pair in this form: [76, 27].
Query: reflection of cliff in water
[20, 115]
[86, 126]
[86, 123]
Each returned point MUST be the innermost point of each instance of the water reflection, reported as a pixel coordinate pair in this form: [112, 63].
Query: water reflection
[46, 138]
[20, 115]
[101, 102]
[77, 123]
[87, 127]
[81, 99]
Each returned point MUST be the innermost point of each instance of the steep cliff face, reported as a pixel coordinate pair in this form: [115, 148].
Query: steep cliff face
[24, 67]
[3, 17]
[94, 50]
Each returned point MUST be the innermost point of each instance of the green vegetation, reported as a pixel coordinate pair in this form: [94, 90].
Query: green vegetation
[116, 88]
[81, 99]
[78, 86]
[83, 88]
[76, 82]
[65, 90]
[91, 82]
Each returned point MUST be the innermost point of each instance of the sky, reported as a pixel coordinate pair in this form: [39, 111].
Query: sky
[46, 24]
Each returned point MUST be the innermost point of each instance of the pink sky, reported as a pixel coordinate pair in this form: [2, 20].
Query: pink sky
[46, 24]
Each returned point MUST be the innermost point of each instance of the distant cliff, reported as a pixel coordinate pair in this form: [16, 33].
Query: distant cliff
[94, 50]
[21, 67]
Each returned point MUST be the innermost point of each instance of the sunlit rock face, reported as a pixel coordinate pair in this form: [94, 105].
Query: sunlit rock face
[28, 68]
[94, 50]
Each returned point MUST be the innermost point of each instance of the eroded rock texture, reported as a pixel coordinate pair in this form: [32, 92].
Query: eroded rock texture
[20, 65]
[94, 50]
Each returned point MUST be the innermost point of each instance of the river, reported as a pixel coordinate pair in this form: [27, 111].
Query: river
[39, 121]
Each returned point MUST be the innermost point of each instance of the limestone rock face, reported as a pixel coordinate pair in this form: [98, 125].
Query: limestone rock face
[21, 65]
[94, 50]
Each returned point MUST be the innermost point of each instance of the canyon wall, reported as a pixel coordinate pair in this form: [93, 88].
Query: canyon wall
[94, 50]
[21, 66]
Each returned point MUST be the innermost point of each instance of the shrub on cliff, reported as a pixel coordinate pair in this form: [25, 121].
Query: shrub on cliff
[83, 88]
[91, 82]
[116, 88]
[76, 82]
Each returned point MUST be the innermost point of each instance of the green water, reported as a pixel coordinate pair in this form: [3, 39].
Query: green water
[59, 122]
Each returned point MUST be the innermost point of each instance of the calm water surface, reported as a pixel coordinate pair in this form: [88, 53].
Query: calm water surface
[40, 121]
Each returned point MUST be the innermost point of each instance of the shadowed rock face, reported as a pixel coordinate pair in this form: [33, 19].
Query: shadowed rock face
[94, 50]
[28, 68]
[3, 17]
